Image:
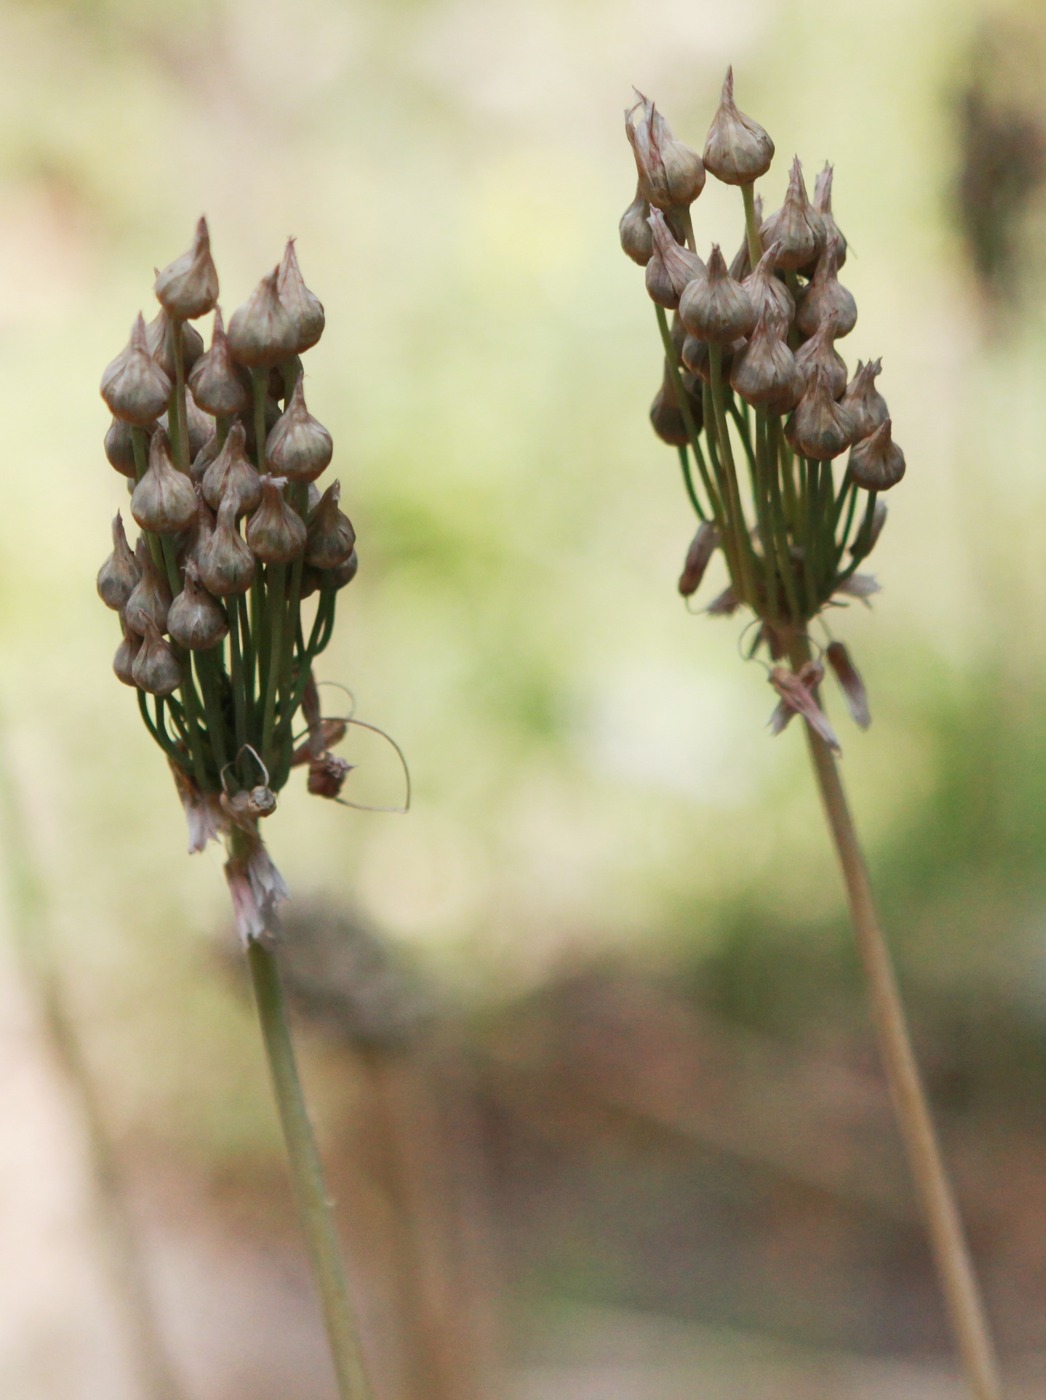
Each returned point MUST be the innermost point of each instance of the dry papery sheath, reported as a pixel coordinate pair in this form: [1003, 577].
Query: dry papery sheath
[785, 451]
[215, 636]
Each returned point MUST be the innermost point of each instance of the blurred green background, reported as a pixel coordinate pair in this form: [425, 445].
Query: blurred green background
[657, 1156]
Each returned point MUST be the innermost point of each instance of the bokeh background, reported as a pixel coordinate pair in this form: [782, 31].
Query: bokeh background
[584, 1031]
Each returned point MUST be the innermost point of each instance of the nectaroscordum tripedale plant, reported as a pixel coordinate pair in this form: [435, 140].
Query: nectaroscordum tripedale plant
[785, 457]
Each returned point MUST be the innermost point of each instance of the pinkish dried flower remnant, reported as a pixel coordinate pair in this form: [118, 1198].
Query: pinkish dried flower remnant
[221, 451]
[784, 453]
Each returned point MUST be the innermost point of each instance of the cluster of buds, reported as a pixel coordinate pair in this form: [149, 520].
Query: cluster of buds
[752, 376]
[222, 456]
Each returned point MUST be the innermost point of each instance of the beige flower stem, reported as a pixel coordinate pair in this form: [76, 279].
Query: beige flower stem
[310, 1192]
[951, 1252]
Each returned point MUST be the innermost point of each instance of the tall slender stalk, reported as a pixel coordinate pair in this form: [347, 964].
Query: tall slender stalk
[911, 1107]
[310, 1191]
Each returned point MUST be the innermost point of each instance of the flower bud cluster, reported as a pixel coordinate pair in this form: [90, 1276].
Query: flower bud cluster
[221, 453]
[756, 396]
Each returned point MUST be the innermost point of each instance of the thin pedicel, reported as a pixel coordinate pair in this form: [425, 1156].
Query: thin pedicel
[755, 400]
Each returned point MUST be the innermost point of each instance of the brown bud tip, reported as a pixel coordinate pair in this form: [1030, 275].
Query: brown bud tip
[299, 447]
[738, 150]
[261, 331]
[716, 308]
[797, 225]
[133, 385]
[671, 175]
[877, 463]
[188, 287]
[303, 307]
[671, 267]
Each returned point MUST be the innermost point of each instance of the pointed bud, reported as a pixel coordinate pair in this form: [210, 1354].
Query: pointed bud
[797, 226]
[275, 532]
[863, 401]
[819, 352]
[203, 459]
[877, 463]
[158, 335]
[217, 383]
[155, 667]
[196, 620]
[702, 547]
[634, 231]
[261, 331]
[826, 297]
[163, 501]
[819, 428]
[769, 294]
[133, 385]
[298, 447]
[225, 563]
[671, 175]
[717, 308]
[123, 661]
[737, 150]
[666, 416]
[188, 287]
[150, 598]
[331, 538]
[765, 373]
[119, 448]
[304, 308]
[671, 267]
[120, 573]
[823, 205]
[233, 474]
[850, 683]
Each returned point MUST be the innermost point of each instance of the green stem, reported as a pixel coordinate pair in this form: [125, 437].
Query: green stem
[755, 242]
[310, 1191]
[742, 542]
[911, 1107]
[274, 602]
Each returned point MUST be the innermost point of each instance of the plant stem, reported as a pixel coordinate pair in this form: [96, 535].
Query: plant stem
[310, 1192]
[951, 1252]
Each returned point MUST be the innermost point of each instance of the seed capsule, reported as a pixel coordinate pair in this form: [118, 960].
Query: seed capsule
[163, 501]
[123, 661]
[671, 175]
[275, 532]
[716, 308]
[819, 428]
[863, 401]
[666, 416]
[331, 538]
[261, 331]
[196, 620]
[233, 474]
[133, 385]
[797, 226]
[877, 463]
[150, 598]
[826, 297]
[634, 231]
[120, 573]
[819, 352]
[737, 150]
[765, 372]
[225, 563]
[188, 287]
[343, 575]
[304, 308]
[155, 667]
[672, 267]
[702, 547]
[217, 383]
[158, 337]
[769, 295]
[298, 447]
[119, 448]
